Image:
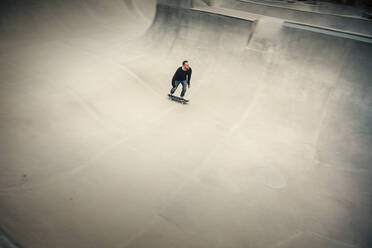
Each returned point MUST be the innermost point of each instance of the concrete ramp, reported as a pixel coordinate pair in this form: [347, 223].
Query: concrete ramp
[336, 16]
[273, 149]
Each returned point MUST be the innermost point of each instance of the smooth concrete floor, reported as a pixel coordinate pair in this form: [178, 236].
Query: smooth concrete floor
[273, 149]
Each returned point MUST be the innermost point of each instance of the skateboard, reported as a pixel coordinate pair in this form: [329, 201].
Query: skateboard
[178, 99]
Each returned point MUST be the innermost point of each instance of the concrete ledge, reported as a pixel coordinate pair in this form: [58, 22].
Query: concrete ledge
[6, 241]
[329, 31]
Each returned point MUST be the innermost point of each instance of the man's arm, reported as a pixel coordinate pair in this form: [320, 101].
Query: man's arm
[189, 77]
[174, 79]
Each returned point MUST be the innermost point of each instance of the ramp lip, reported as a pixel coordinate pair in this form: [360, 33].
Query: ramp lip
[310, 27]
[330, 31]
[219, 11]
[6, 239]
[307, 11]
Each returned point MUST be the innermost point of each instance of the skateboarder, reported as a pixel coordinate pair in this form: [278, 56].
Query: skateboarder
[182, 76]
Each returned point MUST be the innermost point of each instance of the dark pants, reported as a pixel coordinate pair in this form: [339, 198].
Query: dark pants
[184, 86]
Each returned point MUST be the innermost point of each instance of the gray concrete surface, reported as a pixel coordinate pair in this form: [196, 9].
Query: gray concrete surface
[314, 6]
[6, 241]
[328, 18]
[273, 150]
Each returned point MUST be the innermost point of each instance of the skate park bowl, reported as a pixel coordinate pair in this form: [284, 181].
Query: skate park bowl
[273, 149]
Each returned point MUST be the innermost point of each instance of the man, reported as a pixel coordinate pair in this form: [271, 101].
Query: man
[182, 76]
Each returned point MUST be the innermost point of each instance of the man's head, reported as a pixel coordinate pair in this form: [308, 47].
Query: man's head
[186, 64]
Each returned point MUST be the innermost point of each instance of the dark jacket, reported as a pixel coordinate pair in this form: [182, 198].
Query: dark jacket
[180, 75]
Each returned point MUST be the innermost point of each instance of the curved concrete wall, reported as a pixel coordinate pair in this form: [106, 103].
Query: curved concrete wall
[345, 23]
[271, 151]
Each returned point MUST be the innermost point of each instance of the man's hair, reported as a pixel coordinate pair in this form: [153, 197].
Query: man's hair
[185, 61]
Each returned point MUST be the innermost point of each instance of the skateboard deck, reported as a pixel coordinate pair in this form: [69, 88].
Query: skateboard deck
[178, 99]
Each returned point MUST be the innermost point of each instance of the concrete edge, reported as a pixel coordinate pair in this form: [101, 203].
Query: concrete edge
[289, 23]
[6, 241]
[301, 10]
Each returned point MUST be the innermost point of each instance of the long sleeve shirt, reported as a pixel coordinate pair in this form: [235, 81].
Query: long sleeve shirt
[180, 75]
